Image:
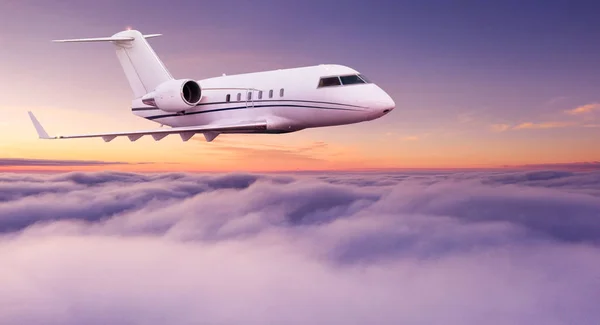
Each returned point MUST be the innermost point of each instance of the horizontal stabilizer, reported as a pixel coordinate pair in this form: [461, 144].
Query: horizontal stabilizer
[103, 39]
[210, 131]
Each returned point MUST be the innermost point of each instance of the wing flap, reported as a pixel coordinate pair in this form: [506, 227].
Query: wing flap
[158, 137]
[209, 136]
[135, 137]
[210, 131]
[186, 135]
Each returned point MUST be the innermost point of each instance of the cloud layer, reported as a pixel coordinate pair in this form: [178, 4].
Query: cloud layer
[362, 248]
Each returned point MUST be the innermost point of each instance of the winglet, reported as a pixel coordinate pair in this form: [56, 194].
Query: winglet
[38, 127]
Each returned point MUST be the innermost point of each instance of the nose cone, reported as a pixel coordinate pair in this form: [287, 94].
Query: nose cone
[387, 104]
[382, 103]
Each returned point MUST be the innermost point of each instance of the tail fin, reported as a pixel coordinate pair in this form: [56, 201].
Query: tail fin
[143, 69]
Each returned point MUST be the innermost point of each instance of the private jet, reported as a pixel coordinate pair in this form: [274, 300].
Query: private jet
[275, 102]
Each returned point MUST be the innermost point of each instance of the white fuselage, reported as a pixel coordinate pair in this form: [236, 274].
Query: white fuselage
[278, 101]
[288, 99]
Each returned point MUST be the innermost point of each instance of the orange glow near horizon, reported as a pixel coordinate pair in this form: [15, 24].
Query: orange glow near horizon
[304, 150]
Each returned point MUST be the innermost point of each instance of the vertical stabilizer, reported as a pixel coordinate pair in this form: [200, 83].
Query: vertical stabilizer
[142, 67]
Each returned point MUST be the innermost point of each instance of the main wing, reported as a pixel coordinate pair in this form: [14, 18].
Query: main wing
[210, 132]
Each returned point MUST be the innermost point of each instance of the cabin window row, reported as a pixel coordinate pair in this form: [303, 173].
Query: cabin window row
[249, 95]
[342, 80]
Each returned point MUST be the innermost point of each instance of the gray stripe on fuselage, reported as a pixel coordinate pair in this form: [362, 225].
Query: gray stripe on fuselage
[258, 101]
[246, 107]
[283, 100]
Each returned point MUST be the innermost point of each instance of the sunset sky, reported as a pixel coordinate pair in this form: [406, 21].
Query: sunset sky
[476, 84]
[475, 201]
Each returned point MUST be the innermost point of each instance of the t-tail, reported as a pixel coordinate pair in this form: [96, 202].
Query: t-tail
[150, 81]
[143, 68]
[153, 85]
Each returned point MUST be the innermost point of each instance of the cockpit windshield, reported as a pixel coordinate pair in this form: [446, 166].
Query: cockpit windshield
[342, 80]
[330, 81]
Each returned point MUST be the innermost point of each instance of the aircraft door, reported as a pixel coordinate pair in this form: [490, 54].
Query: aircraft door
[250, 97]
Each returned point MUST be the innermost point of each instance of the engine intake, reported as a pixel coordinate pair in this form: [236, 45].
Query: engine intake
[191, 92]
[174, 95]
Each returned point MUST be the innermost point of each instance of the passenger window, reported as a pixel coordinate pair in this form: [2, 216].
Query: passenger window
[250, 95]
[281, 92]
[271, 93]
[351, 80]
[260, 94]
[329, 81]
[228, 98]
[239, 97]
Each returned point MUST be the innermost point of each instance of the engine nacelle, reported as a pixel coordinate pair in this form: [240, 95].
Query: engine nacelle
[174, 95]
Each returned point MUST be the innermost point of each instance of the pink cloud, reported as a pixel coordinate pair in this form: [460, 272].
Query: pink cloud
[411, 138]
[584, 109]
[543, 125]
[500, 127]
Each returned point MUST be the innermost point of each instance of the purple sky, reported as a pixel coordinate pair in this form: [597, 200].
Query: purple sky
[474, 82]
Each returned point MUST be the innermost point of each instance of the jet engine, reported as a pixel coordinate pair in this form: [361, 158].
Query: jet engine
[174, 95]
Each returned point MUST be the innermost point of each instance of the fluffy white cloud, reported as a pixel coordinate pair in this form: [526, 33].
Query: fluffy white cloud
[419, 248]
